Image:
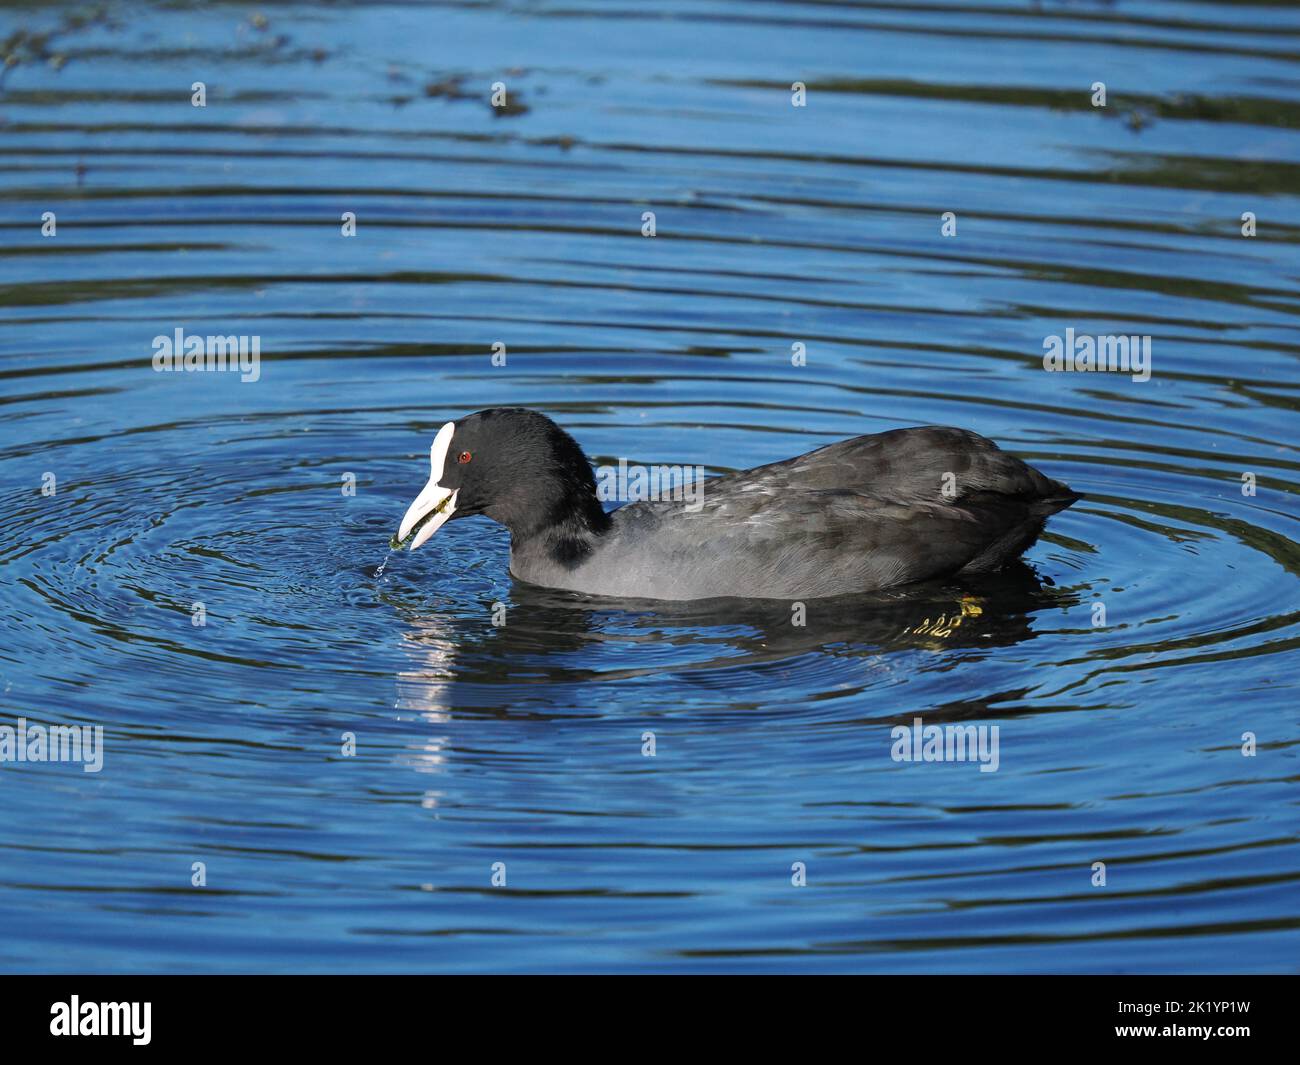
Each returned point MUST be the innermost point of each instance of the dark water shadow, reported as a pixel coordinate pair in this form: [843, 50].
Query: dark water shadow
[556, 638]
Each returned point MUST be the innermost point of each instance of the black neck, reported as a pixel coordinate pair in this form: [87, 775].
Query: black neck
[573, 525]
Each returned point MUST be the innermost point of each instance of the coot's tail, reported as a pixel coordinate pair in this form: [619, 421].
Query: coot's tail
[1022, 520]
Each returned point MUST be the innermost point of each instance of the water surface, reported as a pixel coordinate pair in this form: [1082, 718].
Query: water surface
[476, 744]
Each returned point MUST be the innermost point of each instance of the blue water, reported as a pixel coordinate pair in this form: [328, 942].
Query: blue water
[1121, 737]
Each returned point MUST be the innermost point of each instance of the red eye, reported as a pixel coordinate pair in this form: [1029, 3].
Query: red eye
[464, 457]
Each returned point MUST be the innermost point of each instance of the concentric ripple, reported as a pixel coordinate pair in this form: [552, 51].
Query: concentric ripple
[349, 738]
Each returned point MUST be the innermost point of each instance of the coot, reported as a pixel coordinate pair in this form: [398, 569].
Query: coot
[855, 516]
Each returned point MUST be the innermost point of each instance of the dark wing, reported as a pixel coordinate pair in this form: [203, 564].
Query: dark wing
[862, 514]
[933, 463]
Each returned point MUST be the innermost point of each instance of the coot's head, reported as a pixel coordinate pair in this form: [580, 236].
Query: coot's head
[513, 465]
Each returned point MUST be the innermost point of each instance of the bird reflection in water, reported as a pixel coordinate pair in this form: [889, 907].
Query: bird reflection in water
[463, 664]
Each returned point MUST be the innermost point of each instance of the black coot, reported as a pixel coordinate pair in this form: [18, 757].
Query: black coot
[855, 516]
